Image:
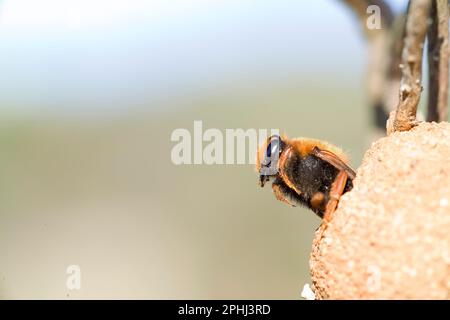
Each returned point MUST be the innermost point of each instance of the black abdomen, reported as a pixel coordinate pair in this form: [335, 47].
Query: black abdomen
[312, 175]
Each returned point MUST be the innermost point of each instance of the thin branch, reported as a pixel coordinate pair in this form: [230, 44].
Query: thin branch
[438, 62]
[411, 83]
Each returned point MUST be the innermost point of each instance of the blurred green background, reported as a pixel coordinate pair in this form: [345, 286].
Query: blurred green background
[88, 103]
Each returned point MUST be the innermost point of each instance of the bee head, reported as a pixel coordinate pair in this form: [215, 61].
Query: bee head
[267, 159]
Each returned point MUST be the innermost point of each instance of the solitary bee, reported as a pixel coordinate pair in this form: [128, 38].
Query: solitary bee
[305, 172]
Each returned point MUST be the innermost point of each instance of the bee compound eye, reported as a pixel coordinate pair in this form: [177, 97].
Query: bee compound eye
[273, 148]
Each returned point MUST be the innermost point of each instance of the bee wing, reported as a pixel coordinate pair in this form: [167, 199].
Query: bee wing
[334, 160]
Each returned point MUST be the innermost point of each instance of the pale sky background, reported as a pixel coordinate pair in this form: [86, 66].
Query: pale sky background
[76, 54]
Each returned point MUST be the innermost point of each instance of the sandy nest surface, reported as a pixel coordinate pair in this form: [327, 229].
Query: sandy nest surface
[390, 237]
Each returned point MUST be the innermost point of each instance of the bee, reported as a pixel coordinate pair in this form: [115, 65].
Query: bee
[305, 172]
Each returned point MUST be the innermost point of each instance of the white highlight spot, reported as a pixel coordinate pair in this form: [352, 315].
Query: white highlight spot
[307, 293]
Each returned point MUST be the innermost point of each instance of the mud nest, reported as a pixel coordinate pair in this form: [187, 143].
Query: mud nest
[390, 236]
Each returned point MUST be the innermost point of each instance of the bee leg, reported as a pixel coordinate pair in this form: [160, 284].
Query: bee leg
[280, 194]
[336, 191]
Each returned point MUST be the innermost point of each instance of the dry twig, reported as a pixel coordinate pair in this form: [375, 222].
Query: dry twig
[438, 62]
[411, 83]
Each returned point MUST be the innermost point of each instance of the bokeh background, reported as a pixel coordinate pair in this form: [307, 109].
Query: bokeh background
[90, 92]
